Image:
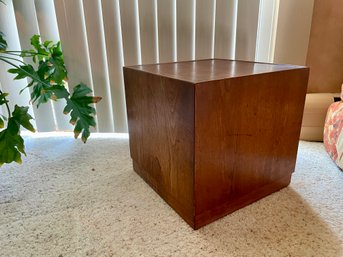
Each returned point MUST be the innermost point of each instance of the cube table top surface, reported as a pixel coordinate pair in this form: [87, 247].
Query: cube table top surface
[211, 69]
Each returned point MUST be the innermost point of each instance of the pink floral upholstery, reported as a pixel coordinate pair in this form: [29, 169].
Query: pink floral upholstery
[333, 135]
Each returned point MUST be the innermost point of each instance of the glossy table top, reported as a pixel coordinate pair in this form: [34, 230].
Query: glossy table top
[211, 69]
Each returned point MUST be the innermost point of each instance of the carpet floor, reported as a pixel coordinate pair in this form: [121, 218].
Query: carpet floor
[70, 200]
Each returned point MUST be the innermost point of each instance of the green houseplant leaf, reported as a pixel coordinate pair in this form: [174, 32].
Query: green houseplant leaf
[3, 99]
[2, 124]
[59, 73]
[3, 43]
[81, 111]
[24, 71]
[48, 82]
[11, 146]
[41, 50]
[22, 117]
[11, 143]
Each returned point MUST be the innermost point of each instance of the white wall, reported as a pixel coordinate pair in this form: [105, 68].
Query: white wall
[293, 31]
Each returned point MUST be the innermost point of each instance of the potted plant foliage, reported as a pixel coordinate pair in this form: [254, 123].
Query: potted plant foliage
[47, 82]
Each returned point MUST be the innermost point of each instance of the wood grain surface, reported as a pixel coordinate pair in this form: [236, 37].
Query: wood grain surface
[161, 128]
[211, 69]
[209, 148]
[246, 136]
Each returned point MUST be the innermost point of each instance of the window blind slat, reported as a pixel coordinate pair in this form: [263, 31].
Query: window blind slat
[74, 42]
[100, 36]
[47, 23]
[293, 31]
[167, 30]
[247, 20]
[148, 30]
[185, 29]
[115, 61]
[130, 31]
[204, 43]
[225, 29]
[266, 31]
[97, 52]
[8, 26]
[27, 26]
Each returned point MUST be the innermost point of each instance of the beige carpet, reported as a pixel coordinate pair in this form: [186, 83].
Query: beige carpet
[70, 199]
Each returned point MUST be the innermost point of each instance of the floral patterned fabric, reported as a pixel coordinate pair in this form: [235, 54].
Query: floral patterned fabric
[333, 135]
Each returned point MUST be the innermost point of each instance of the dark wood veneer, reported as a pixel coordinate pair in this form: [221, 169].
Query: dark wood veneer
[212, 136]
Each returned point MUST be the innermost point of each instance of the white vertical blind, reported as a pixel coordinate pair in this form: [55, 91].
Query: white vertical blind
[148, 31]
[293, 31]
[115, 62]
[130, 31]
[8, 26]
[267, 24]
[74, 41]
[47, 23]
[225, 34]
[74, 36]
[27, 26]
[100, 36]
[185, 29]
[205, 21]
[98, 61]
[167, 30]
[247, 20]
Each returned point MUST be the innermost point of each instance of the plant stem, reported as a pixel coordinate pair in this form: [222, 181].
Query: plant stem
[26, 54]
[27, 73]
[19, 55]
[7, 106]
[10, 58]
[15, 51]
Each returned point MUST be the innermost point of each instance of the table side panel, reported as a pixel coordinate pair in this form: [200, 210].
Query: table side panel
[247, 131]
[161, 126]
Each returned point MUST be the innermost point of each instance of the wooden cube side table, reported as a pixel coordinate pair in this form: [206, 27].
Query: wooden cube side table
[212, 136]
